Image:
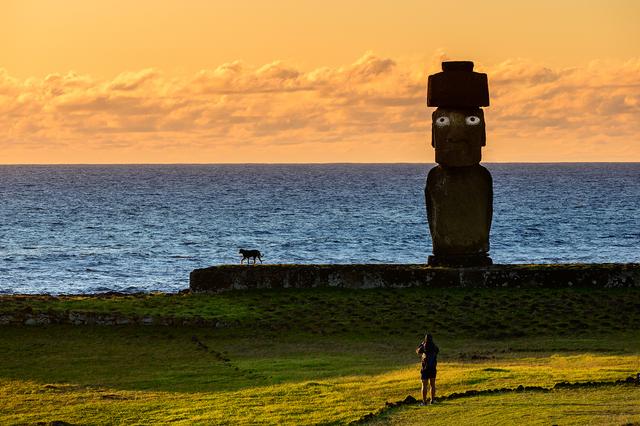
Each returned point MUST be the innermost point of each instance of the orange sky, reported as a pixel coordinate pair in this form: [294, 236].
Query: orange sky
[310, 81]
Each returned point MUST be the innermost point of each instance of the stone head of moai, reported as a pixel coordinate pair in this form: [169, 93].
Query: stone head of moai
[458, 129]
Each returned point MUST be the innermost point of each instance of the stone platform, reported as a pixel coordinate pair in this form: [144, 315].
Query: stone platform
[246, 277]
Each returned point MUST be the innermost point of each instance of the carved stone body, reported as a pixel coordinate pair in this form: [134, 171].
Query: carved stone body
[459, 209]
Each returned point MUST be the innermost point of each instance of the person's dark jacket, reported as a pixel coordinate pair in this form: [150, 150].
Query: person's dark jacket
[430, 350]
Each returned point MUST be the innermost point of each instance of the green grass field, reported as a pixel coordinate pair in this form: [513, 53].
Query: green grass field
[325, 357]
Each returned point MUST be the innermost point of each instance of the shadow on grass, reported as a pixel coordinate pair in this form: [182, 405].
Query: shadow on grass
[183, 359]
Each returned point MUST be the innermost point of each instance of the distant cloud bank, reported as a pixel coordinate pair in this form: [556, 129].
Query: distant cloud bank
[377, 104]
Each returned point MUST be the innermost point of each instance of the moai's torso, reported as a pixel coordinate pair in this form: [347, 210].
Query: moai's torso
[459, 209]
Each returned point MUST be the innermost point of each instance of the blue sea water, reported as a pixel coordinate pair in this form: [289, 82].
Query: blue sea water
[77, 229]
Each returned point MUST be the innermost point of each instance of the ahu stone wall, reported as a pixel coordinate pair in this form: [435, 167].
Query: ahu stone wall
[245, 277]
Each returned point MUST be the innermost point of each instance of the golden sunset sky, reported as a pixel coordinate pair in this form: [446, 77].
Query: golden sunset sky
[248, 81]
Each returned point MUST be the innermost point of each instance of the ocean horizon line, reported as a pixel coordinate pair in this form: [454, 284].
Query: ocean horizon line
[308, 163]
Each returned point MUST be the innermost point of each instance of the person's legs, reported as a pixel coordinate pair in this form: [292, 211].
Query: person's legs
[425, 387]
[432, 381]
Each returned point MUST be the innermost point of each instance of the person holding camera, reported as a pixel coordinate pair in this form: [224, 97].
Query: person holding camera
[428, 351]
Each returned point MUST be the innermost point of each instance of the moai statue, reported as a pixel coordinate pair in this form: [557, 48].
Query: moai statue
[459, 191]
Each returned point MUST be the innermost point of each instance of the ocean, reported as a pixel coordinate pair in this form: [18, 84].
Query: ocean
[129, 228]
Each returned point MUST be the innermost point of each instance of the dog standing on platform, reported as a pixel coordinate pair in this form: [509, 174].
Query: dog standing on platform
[248, 254]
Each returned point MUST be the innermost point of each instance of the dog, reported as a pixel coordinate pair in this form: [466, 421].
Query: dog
[248, 254]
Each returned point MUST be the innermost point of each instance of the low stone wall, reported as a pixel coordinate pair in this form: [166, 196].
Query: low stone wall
[28, 317]
[244, 277]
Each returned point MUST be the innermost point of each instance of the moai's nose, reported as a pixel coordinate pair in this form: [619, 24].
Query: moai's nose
[456, 135]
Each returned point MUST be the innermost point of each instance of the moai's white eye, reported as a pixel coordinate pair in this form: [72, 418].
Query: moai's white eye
[442, 121]
[472, 120]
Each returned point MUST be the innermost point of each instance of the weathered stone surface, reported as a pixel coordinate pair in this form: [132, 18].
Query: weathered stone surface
[458, 143]
[147, 321]
[459, 210]
[7, 319]
[236, 277]
[458, 86]
[122, 321]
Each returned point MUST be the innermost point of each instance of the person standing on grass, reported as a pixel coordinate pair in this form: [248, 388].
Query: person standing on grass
[428, 351]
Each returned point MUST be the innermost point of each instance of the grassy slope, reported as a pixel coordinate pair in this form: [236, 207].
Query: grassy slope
[488, 313]
[313, 356]
[614, 406]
